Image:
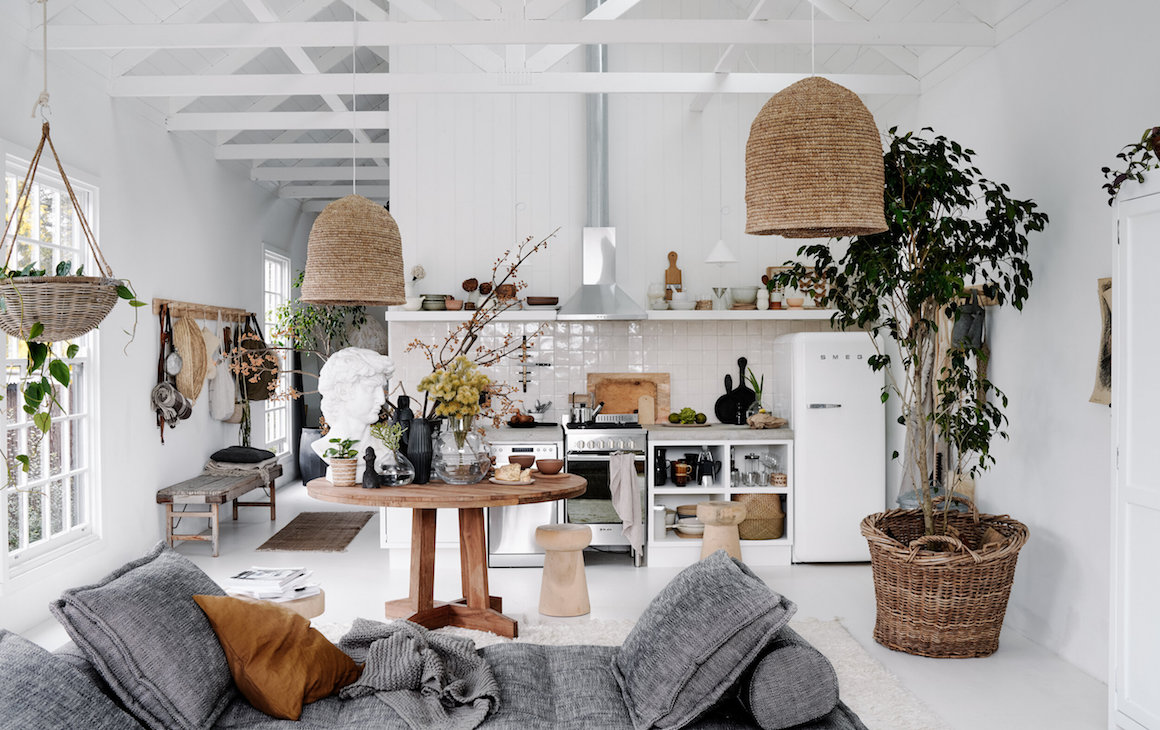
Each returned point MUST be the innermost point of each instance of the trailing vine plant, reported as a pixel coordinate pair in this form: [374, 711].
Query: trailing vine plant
[1141, 157]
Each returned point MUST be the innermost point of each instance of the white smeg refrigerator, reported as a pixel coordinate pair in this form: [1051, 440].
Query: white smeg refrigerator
[823, 381]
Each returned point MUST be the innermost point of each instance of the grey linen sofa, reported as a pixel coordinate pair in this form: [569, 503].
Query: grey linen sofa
[711, 652]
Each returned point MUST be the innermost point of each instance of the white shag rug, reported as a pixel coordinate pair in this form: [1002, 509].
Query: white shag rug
[869, 688]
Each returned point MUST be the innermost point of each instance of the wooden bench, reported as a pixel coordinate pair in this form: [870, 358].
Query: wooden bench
[214, 490]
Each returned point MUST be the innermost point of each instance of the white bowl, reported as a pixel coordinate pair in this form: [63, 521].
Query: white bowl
[690, 526]
[744, 294]
[684, 305]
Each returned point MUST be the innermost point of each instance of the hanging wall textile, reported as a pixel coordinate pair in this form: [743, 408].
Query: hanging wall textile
[66, 306]
[813, 165]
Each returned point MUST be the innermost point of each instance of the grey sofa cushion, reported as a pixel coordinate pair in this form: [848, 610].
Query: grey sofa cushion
[141, 629]
[694, 641]
[40, 690]
[791, 684]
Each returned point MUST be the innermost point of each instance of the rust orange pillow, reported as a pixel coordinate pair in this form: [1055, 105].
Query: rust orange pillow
[278, 661]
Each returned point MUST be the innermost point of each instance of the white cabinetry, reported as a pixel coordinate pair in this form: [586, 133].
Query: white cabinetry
[729, 445]
[1134, 689]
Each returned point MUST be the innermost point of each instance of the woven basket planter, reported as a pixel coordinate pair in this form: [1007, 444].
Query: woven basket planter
[941, 604]
[764, 517]
[67, 306]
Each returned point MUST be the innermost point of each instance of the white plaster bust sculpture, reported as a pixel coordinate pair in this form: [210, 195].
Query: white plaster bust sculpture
[353, 384]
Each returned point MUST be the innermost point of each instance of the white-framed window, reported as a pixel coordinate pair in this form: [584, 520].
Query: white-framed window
[52, 507]
[276, 285]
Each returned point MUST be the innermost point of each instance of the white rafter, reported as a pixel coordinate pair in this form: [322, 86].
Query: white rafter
[322, 174]
[315, 192]
[503, 32]
[302, 151]
[461, 83]
[323, 119]
[195, 10]
[484, 58]
[729, 58]
[904, 59]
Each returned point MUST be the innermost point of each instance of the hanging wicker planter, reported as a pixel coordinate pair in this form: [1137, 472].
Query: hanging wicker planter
[942, 604]
[813, 165]
[66, 306]
[354, 256]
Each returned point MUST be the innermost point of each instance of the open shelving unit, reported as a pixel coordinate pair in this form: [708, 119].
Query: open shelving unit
[550, 315]
[672, 550]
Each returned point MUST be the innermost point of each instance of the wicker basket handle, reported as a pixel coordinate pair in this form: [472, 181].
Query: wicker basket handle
[24, 195]
[918, 543]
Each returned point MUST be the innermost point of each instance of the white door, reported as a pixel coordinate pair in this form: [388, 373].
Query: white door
[839, 447]
[1135, 641]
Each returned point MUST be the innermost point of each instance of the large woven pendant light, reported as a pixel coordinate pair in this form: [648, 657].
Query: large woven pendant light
[354, 255]
[813, 165]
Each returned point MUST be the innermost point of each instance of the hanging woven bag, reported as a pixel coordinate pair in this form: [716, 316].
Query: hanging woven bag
[259, 364]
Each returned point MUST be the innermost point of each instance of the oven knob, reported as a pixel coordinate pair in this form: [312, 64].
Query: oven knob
[581, 445]
[620, 444]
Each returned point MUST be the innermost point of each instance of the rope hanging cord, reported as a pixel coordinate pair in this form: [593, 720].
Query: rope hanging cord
[42, 100]
[24, 195]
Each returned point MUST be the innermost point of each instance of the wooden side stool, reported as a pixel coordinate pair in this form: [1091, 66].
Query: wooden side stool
[564, 588]
[721, 520]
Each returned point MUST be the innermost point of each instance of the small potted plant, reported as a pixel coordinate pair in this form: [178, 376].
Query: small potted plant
[393, 467]
[343, 460]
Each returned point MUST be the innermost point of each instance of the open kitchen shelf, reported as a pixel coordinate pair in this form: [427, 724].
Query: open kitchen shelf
[678, 551]
[549, 315]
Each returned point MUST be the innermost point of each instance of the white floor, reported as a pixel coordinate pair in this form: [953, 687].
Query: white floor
[1021, 686]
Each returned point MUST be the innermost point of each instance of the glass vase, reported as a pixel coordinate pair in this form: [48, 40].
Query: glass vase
[394, 469]
[755, 407]
[460, 456]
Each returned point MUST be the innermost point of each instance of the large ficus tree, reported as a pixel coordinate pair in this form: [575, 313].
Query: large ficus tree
[949, 227]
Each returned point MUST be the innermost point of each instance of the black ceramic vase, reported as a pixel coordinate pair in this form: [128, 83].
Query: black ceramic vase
[419, 449]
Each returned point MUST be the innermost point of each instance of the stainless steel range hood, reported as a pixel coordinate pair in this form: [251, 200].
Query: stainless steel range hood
[599, 297]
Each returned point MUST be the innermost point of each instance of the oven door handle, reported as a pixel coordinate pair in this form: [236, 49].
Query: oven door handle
[603, 458]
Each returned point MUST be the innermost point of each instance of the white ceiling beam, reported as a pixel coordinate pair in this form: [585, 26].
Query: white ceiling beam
[543, 9]
[316, 192]
[484, 59]
[193, 11]
[482, 9]
[471, 83]
[213, 121]
[505, 32]
[301, 151]
[729, 57]
[321, 174]
[549, 56]
[904, 59]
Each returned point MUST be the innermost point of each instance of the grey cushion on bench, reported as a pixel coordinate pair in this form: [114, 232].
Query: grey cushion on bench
[41, 690]
[150, 642]
[694, 641]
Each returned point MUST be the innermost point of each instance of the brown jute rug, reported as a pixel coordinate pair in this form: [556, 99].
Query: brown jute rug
[327, 532]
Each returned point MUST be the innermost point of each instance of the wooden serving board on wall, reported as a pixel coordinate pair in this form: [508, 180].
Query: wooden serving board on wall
[621, 392]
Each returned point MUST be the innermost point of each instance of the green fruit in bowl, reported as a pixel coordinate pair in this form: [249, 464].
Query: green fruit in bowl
[674, 418]
[701, 418]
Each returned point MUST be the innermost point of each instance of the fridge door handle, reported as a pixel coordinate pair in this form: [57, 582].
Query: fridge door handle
[825, 405]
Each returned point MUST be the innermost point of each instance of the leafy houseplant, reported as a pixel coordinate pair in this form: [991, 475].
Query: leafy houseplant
[949, 228]
[343, 460]
[937, 577]
[1141, 157]
[393, 467]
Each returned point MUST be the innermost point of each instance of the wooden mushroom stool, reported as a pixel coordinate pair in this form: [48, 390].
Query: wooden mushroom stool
[721, 520]
[563, 588]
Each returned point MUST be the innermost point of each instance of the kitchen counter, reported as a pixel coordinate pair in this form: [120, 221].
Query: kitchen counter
[717, 431]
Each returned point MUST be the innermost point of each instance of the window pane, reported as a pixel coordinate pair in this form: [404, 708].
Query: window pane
[13, 520]
[56, 500]
[35, 516]
[48, 213]
[59, 450]
[79, 500]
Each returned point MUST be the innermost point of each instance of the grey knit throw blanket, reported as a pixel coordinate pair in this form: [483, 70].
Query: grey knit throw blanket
[431, 680]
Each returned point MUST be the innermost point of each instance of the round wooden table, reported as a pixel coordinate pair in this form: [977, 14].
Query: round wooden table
[477, 609]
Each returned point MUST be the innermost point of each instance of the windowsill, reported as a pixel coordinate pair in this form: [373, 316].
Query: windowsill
[25, 571]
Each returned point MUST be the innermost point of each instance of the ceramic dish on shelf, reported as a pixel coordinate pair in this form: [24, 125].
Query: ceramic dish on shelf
[682, 306]
[542, 301]
[540, 475]
[507, 483]
[690, 526]
[685, 425]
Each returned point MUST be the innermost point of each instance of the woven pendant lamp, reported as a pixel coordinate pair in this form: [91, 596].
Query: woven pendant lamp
[813, 165]
[354, 255]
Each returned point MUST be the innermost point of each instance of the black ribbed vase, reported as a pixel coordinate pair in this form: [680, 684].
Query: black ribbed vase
[419, 449]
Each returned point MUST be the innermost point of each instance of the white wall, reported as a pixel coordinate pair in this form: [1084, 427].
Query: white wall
[1045, 111]
[178, 225]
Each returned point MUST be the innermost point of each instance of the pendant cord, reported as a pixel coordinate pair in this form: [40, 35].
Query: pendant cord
[813, 14]
[42, 100]
[353, 100]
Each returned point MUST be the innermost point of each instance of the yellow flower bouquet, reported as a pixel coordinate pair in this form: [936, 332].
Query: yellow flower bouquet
[456, 389]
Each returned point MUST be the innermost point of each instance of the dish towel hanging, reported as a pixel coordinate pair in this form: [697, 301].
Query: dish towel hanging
[625, 497]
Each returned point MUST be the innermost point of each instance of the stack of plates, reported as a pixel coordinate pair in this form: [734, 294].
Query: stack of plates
[690, 526]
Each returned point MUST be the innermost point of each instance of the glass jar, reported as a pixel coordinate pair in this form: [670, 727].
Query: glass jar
[750, 473]
[460, 456]
[394, 469]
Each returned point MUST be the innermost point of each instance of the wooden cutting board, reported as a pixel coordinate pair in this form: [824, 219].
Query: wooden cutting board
[621, 392]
